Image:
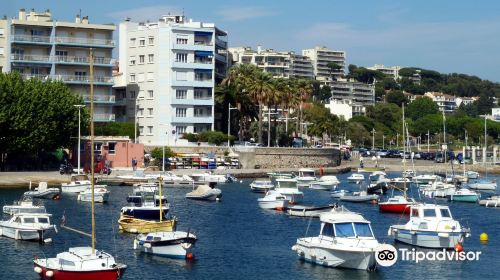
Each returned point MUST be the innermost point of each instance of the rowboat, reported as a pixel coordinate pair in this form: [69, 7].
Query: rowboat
[133, 225]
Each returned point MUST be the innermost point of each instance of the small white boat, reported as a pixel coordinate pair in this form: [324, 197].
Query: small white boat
[493, 201]
[305, 177]
[484, 185]
[339, 193]
[465, 195]
[309, 211]
[209, 177]
[377, 176]
[43, 191]
[424, 179]
[430, 226]
[204, 192]
[345, 240]
[273, 200]
[261, 186]
[356, 178]
[101, 194]
[27, 226]
[326, 183]
[172, 244]
[472, 174]
[25, 206]
[361, 196]
[408, 174]
[79, 183]
[400, 183]
[289, 188]
[438, 189]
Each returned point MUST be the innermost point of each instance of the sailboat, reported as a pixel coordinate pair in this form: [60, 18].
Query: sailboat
[485, 184]
[82, 262]
[399, 204]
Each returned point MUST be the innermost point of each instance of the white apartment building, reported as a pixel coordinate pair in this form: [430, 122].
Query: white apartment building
[446, 103]
[278, 64]
[495, 113]
[170, 68]
[38, 46]
[358, 93]
[340, 108]
[392, 72]
[320, 57]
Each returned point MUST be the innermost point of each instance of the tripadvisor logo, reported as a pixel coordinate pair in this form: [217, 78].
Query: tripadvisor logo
[386, 255]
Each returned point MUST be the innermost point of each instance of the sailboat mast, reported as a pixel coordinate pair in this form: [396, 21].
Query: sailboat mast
[161, 202]
[404, 151]
[91, 78]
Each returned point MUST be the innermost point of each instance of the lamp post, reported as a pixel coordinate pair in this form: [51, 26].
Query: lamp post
[373, 139]
[135, 122]
[163, 157]
[428, 140]
[79, 108]
[269, 126]
[383, 142]
[229, 108]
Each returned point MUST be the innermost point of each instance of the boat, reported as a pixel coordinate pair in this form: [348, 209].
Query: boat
[209, 177]
[356, 178]
[27, 226]
[289, 188]
[361, 196]
[309, 211]
[281, 175]
[101, 194]
[399, 183]
[144, 203]
[438, 189]
[472, 174]
[465, 195]
[377, 176]
[379, 183]
[339, 193]
[174, 244]
[43, 191]
[261, 186]
[430, 226]
[326, 183]
[305, 177]
[345, 240]
[273, 200]
[409, 173]
[204, 192]
[485, 185]
[79, 183]
[397, 204]
[493, 201]
[424, 179]
[25, 206]
[134, 225]
[82, 262]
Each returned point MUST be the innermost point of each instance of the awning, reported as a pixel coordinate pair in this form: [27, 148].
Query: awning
[203, 53]
[202, 33]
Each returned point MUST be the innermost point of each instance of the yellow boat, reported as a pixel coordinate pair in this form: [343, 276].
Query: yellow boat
[134, 225]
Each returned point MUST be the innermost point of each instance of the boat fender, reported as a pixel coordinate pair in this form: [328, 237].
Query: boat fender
[294, 248]
[49, 273]
[147, 245]
[459, 247]
[189, 256]
[135, 244]
[38, 269]
[413, 232]
[186, 245]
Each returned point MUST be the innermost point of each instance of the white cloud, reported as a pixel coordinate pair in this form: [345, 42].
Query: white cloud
[243, 13]
[152, 13]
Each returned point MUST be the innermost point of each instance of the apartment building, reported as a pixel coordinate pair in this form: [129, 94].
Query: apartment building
[357, 94]
[38, 46]
[392, 71]
[321, 57]
[278, 64]
[170, 69]
[446, 103]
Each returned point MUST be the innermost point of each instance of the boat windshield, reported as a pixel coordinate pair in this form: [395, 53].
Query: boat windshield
[344, 230]
[353, 230]
[363, 230]
[429, 213]
[327, 230]
[307, 173]
[445, 213]
[43, 220]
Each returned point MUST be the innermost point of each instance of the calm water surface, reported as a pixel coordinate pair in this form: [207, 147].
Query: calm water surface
[238, 240]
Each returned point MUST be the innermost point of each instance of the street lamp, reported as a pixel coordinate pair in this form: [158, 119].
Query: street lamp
[383, 142]
[229, 108]
[79, 106]
[373, 139]
[428, 140]
[163, 148]
[135, 119]
[269, 126]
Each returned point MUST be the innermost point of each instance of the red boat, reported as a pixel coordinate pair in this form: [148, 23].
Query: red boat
[79, 263]
[397, 204]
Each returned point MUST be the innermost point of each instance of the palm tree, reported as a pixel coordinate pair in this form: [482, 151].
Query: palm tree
[304, 90]
[260, 89]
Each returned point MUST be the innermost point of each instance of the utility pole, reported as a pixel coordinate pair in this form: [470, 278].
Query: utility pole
[229, 122]
[79, 107]
[428, 140]
[373, 139]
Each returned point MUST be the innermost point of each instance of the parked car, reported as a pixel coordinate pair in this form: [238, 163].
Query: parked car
[382, 153]
[439, 158]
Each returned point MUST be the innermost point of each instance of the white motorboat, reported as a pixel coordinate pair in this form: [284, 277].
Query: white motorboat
[400, 183]
[339, 193]
[204, 192]
[409, 173]
[356, 178]
[209, 177]
[43, 191]
[172, 244]
[493, 201]
[485, 185]
[25, 206]
[361, 196]
[377, 176]
[273, 200]
[305, 177]
[101, 194]
[472, 174]
[79, 183]
[289, 188]
[430, 226]
[326, 183]
[439, 189]
[424, 179]
[345, 240]
[27, 226]
[309, 211]
[261, 186]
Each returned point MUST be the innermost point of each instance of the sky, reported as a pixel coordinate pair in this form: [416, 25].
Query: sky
[447, 36]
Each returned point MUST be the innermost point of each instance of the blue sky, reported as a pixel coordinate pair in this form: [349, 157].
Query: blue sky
[447, 36]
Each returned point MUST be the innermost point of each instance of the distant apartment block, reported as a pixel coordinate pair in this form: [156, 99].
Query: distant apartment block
[495, 113]
[392, 71]
[321, 57]
[341, 108]
[446, 103]
[278, 64]
[465, 100]
[358, 93]
[38, 46]
[169, 69]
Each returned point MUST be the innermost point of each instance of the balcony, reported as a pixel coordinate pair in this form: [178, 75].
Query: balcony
[106, 99]
[192, 102]
[191, 120]
[31, 58]
[192, 65]
[31, 39]
[77, 79]
[63, 59]
[191, 47]
[78, 41]
[221, 43]
[104, 117]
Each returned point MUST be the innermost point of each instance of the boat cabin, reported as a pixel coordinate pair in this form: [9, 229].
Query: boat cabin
[306, 172]
[345, 225]
[431, 212]
[31, 219]
[287, 183]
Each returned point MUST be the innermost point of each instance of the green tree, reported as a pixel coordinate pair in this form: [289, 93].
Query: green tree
[396, 97]
[114, 129]
[323, 123]
[420, 107]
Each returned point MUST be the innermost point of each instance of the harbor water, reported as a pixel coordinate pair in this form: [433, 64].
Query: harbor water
[238, 240]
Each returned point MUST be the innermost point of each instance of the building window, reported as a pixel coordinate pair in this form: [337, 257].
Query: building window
[150, 130]
[181, 76]
[150, 94]
[140, 95]
[180, 94]
[150, 76]
[112, 148]
[180, 130]
[180, 112]
[198, 94]
[181, 57]
[132, 94]
[142, 42]
[80, 75]
[2, 51]
[141, 130]
[132, 42]
[140, 77]
[151, 40]
[132, 78]
[132, 60]
[182, 41]
[150, 111]
[151, 58]
[141, 59]
[97, 148]
[140, 112]
[2, 31]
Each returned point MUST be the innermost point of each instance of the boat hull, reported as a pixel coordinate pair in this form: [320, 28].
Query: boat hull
[152, 213]
[178, 248]
[427, 239]
[261, 189]
[323, 186]
[74, 189]
[490, 202]
[278, 204]
[293, 198]
[22, 234]
[465, 198]
[400, 208]
[109, 274]
[132, 225]
[98, 197]
[355, 198]
[483, 186]
[48, 194]
[304, 211]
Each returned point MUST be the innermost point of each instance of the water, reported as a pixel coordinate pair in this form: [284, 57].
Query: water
[237, 239]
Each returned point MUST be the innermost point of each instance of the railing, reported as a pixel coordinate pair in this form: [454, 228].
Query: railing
[99, 98]
[68, 59]
[203, 43]
[69, 78]
[84, 41]
[204, 61]
[27, 57]
[202, 115]
[104, 117]
[203, 79]
[31, 38]
[204, 97]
